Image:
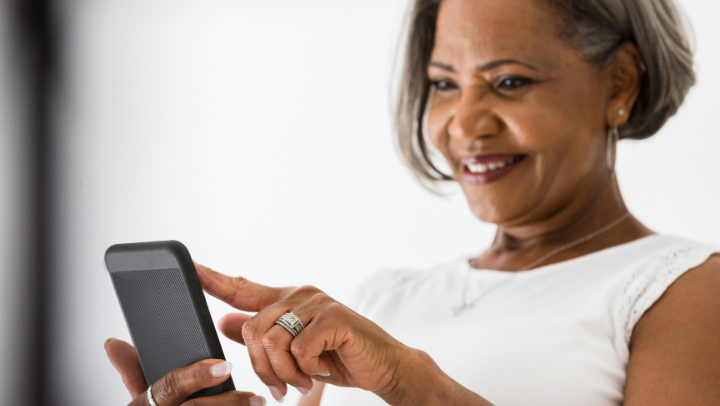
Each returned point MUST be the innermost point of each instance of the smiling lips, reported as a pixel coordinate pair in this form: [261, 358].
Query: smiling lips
[483, 169]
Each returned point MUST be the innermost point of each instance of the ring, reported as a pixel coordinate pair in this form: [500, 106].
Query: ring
[292, 323]
[150, 397]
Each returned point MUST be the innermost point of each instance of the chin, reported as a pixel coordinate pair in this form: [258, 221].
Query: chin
[489, 210]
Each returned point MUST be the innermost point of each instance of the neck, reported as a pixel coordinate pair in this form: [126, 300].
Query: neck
[517, 245]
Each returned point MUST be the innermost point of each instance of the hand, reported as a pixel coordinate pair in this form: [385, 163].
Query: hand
[337, 346]
[175, 387]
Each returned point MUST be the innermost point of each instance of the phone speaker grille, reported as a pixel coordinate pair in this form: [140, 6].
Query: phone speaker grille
[162, 320]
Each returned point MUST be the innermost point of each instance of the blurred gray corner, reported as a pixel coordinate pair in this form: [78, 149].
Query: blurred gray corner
[25, 72]
[14, 216]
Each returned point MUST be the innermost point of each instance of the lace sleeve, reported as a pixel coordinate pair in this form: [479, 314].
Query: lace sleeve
[653, 276]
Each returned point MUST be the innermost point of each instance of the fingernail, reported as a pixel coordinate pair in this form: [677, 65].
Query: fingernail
[221, 369]
[324, 374]
[275, 392]
[303, 391]
[108, 342]
[257, 401]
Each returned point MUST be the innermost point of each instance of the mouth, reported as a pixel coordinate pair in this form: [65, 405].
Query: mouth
[484, 169]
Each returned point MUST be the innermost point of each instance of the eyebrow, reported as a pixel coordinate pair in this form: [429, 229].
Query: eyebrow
[486, 67]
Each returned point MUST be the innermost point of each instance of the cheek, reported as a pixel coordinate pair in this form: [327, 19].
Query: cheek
[559, 149]
[565, 137]
[543, 134]
[560, 121]
[437, 122]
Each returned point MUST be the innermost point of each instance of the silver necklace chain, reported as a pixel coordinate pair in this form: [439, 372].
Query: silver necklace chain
[576, 242]
[537, 262]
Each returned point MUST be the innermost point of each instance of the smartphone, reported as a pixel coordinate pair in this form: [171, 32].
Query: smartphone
[164, 308]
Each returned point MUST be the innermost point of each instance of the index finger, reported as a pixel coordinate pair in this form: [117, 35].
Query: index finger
[238, 292]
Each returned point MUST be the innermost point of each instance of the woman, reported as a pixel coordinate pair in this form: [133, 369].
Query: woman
[575, 302]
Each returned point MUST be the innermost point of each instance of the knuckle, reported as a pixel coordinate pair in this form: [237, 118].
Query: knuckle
[167, 387]
[259, 370]
[249, 330]
[269, 342]
[264, 374]
[240, 280]
[299, 350]
[239, 283]
[307, 290]
[319, 298]
[287, 374]
[336, 309]
[201, 373]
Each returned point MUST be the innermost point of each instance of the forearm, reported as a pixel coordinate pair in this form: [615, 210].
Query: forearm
[315, 397]
[421, 382]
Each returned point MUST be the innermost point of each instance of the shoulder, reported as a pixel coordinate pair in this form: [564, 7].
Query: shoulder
[673, 352]
[658, 264]
[692, 297]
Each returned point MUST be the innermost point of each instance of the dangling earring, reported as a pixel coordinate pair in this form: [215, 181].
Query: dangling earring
[613, 137]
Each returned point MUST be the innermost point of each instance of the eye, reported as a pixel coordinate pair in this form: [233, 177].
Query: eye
[442, 85]
[514, 83]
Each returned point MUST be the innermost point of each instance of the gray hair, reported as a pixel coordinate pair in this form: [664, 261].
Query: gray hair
[598, 28]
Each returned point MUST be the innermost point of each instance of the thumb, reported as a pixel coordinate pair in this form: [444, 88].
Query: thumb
[231, 326]
[125, 360]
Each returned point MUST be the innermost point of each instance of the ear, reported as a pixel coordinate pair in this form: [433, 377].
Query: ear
[626, 73]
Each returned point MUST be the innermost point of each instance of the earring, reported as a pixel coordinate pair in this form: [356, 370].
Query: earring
[621, 112]
[613, 137]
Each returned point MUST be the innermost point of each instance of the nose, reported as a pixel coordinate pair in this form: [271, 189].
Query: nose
[473, 117]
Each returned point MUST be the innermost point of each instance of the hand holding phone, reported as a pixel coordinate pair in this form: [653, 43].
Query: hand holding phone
[174, 388]
[178, 355]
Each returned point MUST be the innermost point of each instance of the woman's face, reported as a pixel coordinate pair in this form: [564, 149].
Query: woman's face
[517, 112]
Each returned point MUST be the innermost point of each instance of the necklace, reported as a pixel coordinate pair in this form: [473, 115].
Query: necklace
[465, 304]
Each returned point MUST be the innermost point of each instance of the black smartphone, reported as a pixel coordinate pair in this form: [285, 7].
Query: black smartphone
[164, 308]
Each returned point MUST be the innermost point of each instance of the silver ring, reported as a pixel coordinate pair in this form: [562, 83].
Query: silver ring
[150, 397]
[291, 322]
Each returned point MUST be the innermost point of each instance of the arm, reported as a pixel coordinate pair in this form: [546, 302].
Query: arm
[314, 399]
[675, 347]
[420, 381]
[452, 394]
[337, 346]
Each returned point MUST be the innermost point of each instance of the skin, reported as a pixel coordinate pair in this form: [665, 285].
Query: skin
[174, 388]
[554, 108]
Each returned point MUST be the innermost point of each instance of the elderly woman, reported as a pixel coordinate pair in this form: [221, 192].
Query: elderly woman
[575, 302]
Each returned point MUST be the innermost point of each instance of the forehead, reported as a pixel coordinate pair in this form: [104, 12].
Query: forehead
[475, 31]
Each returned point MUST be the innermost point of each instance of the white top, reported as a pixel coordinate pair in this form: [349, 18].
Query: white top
[557, 335]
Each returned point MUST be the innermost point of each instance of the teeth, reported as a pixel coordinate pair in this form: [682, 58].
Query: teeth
[482, 168]
[477, 168]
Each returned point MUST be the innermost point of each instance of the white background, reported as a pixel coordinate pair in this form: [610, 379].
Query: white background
[259, 134]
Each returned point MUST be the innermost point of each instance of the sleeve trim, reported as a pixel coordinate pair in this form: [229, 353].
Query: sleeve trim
[652, 278]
